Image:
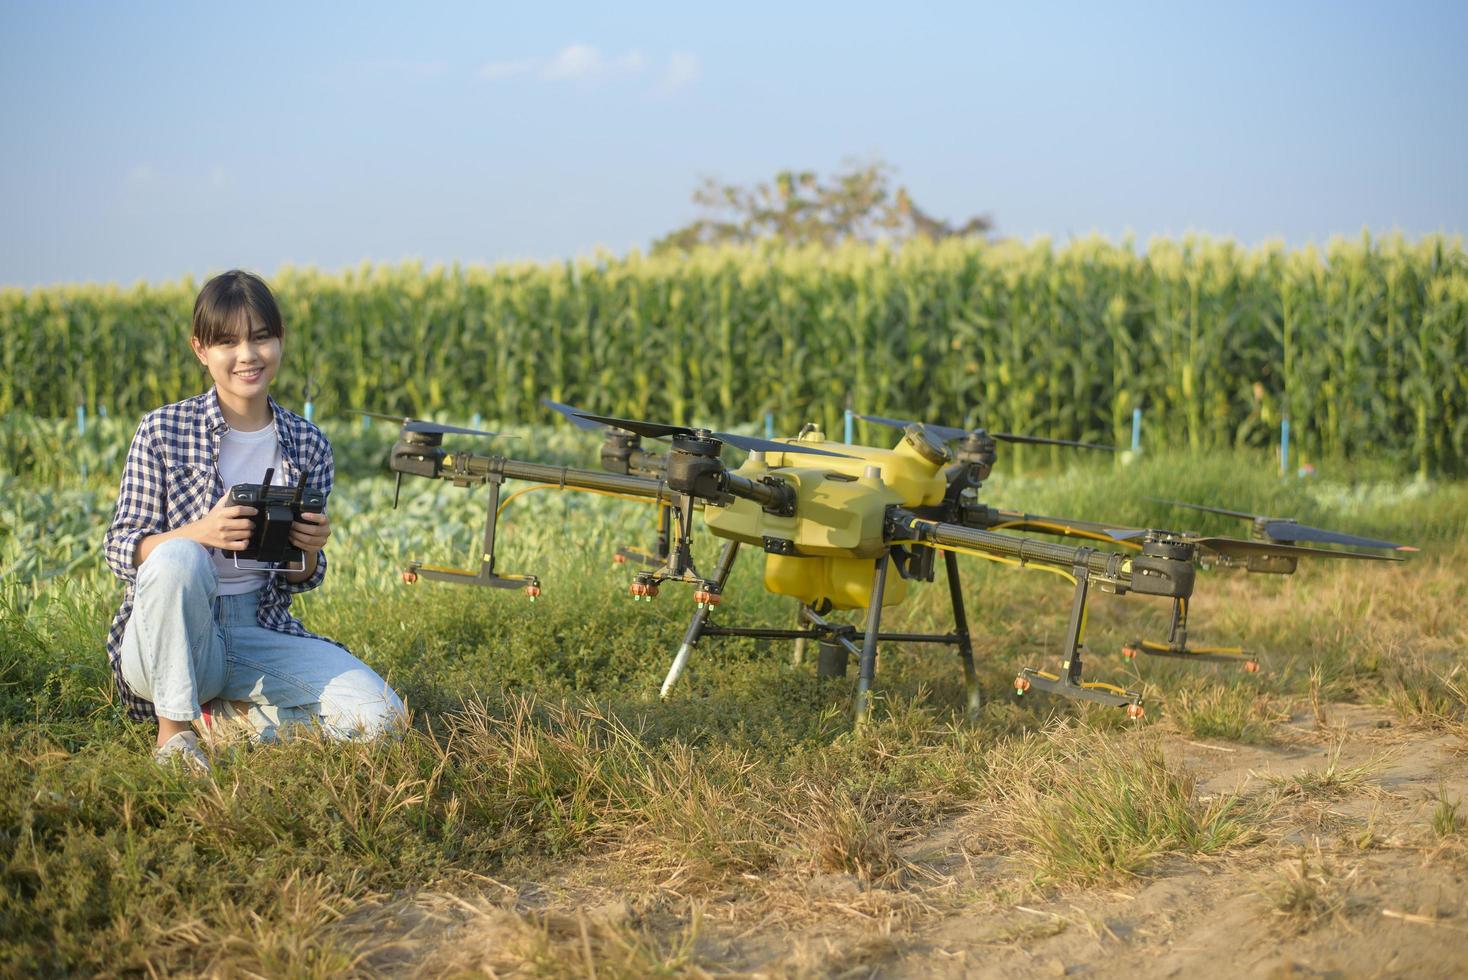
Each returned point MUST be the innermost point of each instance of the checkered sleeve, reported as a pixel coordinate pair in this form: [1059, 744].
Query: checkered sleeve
[140, 503]
[320, 474]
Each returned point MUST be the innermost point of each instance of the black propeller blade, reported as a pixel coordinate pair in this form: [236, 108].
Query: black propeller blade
[574, 415]
[1282, 530]
[657, 430]
[578, 417]
[1286, 530]
[411, 424]
[948, 433]
[1241, 548]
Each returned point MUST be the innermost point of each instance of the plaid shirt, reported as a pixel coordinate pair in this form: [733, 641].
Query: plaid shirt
[171, 478]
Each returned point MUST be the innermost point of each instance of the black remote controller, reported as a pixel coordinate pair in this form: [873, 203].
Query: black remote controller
[275, 510]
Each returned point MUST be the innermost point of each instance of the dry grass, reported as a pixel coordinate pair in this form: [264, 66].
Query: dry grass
[607, 944]
[1307, 891]
[1085, 809]
[1335, 779]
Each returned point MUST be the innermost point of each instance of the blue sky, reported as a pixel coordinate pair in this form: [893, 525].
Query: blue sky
[152, 140]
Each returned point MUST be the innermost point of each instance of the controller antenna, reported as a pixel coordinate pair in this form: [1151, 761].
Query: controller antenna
[269, 473]
[300, 489]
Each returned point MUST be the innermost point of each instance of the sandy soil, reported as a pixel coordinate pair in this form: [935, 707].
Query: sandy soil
[1379, 893]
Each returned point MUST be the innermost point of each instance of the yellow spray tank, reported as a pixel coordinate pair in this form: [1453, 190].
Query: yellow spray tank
[826, 550]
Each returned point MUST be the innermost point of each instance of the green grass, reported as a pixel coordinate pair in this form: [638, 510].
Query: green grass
[536, 740]
[1087, 810]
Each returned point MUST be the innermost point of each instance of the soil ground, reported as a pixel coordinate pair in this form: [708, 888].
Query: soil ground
[1351, 880]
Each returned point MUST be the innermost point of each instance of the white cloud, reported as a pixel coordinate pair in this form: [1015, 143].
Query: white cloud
[574, 62]
[631, 63]
[683, 69]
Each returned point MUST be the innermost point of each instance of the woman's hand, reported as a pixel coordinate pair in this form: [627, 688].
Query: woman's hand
[310, 534]
[227, 526]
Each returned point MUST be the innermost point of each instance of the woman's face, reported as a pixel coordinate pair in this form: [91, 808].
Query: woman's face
[244, 365]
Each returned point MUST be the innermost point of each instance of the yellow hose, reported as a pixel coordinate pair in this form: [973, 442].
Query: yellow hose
[1069, 531]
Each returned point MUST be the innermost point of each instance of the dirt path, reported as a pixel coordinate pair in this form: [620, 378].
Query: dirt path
[1350, 880]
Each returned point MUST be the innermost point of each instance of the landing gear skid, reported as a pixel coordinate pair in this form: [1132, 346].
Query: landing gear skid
[1068, 683]
[486, 576]
[1177, 645]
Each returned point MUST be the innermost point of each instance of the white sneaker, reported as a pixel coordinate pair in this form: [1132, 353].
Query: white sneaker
[183, 747]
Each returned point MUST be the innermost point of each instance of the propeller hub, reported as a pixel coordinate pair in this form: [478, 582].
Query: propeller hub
[979, 449]
[427, 439]
[699, 443]
[1165, 544]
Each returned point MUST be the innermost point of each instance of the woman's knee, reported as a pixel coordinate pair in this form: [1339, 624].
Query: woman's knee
[364, 702]
[177, 563]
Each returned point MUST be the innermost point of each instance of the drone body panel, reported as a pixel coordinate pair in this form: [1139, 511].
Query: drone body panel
[831, 542]
[916, 479]
[835, 515]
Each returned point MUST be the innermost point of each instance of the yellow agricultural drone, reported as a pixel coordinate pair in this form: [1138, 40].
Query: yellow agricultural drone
[849, 527]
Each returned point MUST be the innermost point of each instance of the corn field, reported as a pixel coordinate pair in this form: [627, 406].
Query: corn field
[1362, 345]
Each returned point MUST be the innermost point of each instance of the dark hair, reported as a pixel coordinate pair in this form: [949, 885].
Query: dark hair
[232, 303]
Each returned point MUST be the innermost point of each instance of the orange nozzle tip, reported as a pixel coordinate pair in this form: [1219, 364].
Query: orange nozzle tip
[1407, 547]
[1135, 711]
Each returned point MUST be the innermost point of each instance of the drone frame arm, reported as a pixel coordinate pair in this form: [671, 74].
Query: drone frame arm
[1169, 575]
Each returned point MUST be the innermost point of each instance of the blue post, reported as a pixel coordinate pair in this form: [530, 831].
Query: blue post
[769, 425]
[101, 411]
[1284, 447]
[311, 389]
[81, 430]
[1136, 430]
[366, 423]
[475, 421]
[849, 416]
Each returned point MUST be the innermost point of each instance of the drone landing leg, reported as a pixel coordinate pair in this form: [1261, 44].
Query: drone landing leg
[1069, 684]
[965, 644]
[486, 575]
[863, 706]
[700, 618]
[798, 657]
[662, 550]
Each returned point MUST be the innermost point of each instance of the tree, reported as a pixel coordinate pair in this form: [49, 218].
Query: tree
[798, 208]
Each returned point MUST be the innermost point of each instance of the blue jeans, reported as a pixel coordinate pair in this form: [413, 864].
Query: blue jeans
[185, 645]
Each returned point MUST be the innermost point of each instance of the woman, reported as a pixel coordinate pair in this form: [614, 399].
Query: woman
[199, 638]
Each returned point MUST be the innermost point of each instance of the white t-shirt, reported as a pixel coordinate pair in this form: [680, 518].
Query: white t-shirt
[243, 458]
